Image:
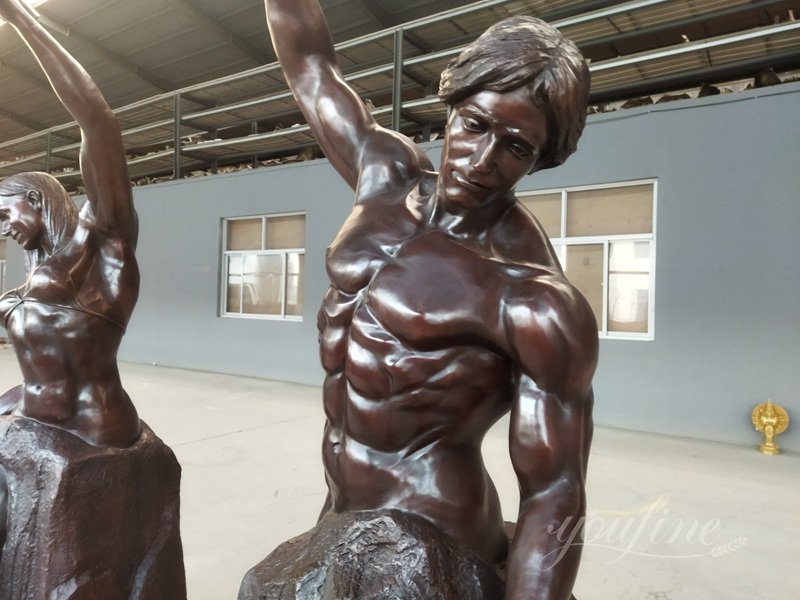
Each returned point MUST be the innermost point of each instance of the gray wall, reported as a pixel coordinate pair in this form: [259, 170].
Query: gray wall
[176, 322]
[727, 307]
[15, 268]
[727, 320]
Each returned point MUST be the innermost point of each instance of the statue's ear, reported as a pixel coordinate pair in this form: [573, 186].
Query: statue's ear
[34, 198]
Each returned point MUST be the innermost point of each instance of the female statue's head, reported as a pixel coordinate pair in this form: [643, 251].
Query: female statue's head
[527, 52]
[37, 212]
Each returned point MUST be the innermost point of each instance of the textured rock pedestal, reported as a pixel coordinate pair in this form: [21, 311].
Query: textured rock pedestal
[370, 556]
[88, 523]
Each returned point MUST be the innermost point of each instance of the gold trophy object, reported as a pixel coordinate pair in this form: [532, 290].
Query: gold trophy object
[772, 420]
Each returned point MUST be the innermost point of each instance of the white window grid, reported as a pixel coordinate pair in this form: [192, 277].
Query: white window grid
[282, 252]
[560, 245]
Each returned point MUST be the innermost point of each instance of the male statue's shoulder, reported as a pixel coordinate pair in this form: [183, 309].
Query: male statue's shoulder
[545, 296]
[551, 333]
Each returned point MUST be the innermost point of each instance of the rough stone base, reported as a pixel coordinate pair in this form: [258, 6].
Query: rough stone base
[87, 523]
[370, 556]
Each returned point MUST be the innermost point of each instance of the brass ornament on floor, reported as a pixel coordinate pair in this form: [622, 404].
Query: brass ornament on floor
[772, 420]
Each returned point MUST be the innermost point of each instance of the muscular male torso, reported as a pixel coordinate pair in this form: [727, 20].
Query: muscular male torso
[413, 343]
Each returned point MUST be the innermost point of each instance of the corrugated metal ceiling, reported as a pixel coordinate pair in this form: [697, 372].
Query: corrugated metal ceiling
[141, 52]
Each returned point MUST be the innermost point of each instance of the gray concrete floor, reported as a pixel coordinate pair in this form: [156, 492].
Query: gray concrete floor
[669, 518]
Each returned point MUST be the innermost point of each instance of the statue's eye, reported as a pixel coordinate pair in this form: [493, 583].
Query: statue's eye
[521, 150]
[473, 124]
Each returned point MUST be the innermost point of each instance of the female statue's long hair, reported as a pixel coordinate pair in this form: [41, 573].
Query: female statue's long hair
[59, 211]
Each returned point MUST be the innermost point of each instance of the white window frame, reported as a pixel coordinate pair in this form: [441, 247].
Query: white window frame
[283, 252]
[560, 244]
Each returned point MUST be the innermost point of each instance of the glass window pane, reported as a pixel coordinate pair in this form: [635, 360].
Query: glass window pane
[244, 234]
[547, 209]
[286, 232]
[261, 284]
[584, 268]
[628, 287]
[560, 250]
[629, 257]
[233, 296]
[610, 211]
[295, 266]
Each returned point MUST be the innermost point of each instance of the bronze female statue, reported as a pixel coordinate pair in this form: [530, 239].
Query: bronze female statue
[447, 306]
[67, 320]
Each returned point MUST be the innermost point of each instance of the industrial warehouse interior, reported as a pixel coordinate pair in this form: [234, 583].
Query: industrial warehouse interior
[689, 160]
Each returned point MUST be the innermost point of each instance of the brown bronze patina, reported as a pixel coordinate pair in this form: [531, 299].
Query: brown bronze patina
[89, 496]
[447, 307]
[67, 320]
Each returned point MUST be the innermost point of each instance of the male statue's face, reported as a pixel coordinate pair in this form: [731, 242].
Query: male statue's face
[493, 139]
[21, 220]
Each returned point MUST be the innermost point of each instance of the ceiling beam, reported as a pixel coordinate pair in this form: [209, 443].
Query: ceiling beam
[677, 26]
[377, 13]
[154, 80]
[32, 80]
[31, 124]
[581, 9]
[386, 22]
[18, 73]
[222, 32]
[760, 33]
[162, 85]
[676, 81]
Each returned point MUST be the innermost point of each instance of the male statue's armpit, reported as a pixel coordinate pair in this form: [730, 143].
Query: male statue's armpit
[447, 307]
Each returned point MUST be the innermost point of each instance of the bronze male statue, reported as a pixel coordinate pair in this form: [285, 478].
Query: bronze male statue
[447, 307]
[66, 323]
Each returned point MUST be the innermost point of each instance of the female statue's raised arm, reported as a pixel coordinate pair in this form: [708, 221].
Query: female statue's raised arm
[103, 164]
[339, 120]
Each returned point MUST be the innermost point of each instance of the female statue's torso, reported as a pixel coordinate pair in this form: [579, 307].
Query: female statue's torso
[66, 323]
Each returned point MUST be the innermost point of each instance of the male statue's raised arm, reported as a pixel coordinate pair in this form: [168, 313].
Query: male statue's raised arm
[341, 123]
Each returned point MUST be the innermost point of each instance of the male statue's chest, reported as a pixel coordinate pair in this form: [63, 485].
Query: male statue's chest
[436, 287]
